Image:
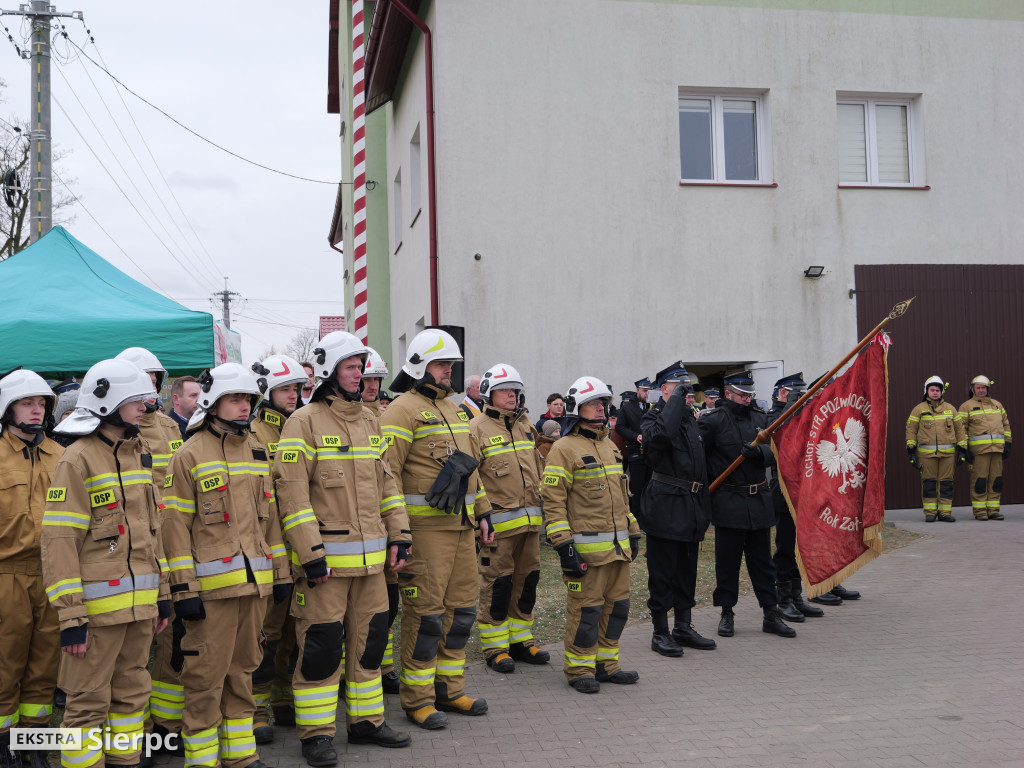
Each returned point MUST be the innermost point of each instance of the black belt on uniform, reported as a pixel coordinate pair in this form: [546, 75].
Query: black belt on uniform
[693, 486]
[751, 490]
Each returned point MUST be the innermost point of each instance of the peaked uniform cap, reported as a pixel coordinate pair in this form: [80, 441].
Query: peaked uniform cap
[741, 382]
[672, 373]
[793, 382]
[644, 383]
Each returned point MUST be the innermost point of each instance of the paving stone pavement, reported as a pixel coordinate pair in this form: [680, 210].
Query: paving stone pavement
[926, 669]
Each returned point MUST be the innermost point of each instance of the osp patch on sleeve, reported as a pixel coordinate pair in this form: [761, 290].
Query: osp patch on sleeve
[550, 479]
[176, 444]
[289, 457]
[427, 415]
[375, 441]
[57, 494]
[463, 416]
[168, 480]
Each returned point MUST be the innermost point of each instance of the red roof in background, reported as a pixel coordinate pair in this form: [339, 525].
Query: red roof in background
[330, 323]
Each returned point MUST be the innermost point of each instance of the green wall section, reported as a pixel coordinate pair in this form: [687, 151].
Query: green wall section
[989, 10]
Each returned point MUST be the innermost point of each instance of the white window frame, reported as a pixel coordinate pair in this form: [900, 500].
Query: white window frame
[915, 137]
[765, 176]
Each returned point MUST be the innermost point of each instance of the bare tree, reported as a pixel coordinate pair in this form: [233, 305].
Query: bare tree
[302, 345]
[15, 152]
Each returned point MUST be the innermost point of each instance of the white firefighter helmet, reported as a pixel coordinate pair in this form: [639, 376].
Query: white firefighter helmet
[500, 376]
[583, 390]
[145, 361]
[428, 346]
[225, 379]
[278, 371]
[375, 368]
[332, 349]
[17, 385]
[106, 387]
[935, 381]
[985, 381]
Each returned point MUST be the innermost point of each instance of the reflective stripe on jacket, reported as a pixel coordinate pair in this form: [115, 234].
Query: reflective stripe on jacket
[422, 431]
[935, 429]
[511, 469]
[585, 496]
[25, 475]
[103, 559]
[339, 499]
[161, 435]
[987, 425]
[222, 534]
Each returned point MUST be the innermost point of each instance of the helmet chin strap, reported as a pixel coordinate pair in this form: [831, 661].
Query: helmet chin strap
[235, 425]
[152, 407]
[115, 420]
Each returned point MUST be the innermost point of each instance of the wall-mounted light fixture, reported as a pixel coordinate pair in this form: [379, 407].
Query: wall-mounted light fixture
[813, 273]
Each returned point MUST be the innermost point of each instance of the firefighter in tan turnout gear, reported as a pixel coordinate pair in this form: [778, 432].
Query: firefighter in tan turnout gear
[226, 556]
[29, 632]
[344, 518]
[988, 444]
[103, 562]
[280, 379]
[510, 567]
[435, 459]
[160, 433]
[374, 373]
[586, 508]
[936, 444]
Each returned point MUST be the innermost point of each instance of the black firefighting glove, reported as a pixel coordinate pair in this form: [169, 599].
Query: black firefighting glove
[912, 453]
[479, 523]
[970, 455]
[73, 635]
[449, 489]
[281, 593]
[190, 609]
[315, 569]
[572, 563]
[753, 454]
[961, 455]
[163, 609]
[1006, 450]
[634, 547]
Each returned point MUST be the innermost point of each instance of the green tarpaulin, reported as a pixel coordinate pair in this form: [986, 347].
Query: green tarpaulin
[66, 308]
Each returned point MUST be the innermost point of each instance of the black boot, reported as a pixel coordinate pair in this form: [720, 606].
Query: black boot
[7, 758]
[773, 623]
[390, 682]
[796, 595]
[786, 608]
[383, 735]
[147, 758]
[827, 599]
[684, 633]
[725, 624]
[619, 676]
[35, 759]
[662, 642]
[319, 751]
[846, 594]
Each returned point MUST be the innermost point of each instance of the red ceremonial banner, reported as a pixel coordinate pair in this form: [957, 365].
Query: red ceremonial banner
[831, 459]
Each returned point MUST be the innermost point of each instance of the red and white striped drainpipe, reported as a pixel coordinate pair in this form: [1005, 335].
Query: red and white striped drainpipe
[359, 324]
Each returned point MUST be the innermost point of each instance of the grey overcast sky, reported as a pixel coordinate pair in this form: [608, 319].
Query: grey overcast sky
[249, 76]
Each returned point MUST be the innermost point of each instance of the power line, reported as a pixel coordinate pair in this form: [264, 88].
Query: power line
[195, 133]
[270, 322]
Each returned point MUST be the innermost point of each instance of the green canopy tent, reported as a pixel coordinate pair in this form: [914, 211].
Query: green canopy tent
[66, 308]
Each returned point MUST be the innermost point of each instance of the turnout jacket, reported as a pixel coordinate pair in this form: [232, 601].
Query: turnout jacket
[422, 428]
[511, 467]
[25, 474]
[339, 498]
[221, 531]
[987, 425]
[724, 430]
[267, 427]
[103, 559]
[161, 435]
[675, 503]
[936, 428]
[585, 496]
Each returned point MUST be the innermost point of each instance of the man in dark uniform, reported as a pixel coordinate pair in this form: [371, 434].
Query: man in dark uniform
[741, 507]
[631, 413]
[711, 395]
[674, 513]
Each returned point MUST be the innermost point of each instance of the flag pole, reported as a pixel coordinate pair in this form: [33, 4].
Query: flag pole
[763, 435]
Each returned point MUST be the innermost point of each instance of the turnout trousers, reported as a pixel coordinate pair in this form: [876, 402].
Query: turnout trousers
[596, 612]
[509, 572]
[220, 654]
[733, 545]
[937, 484]
[109, 687]
[349, 609]
[986, 483]
[439, 587]
[272, 680]
[167, 701]
[29, 651]
[671, 574]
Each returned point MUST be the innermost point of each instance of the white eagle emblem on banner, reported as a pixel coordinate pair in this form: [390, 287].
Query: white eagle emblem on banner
[845, 455]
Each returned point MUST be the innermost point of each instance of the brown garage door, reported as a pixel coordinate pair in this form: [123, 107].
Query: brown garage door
[967, 320]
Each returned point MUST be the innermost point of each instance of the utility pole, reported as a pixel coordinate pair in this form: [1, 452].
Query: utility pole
[40, 13]
[225, 298]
